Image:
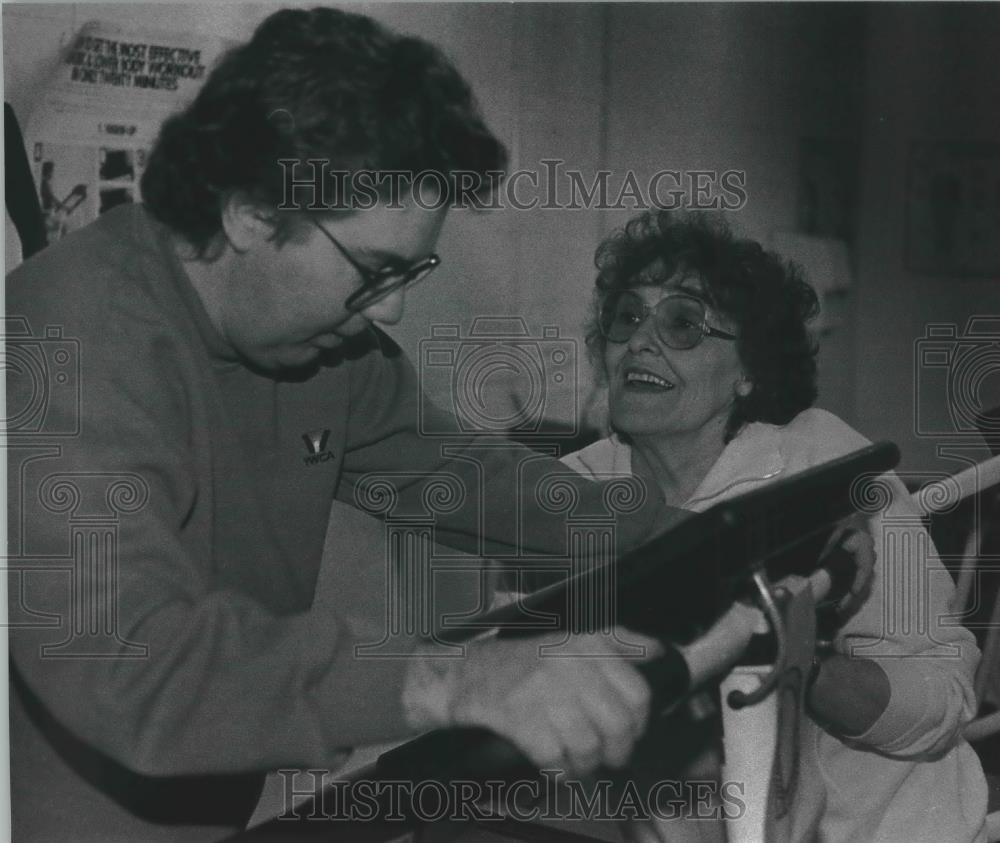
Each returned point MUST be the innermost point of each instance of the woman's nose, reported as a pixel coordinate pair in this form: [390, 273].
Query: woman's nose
[644, 337]
[388, 310]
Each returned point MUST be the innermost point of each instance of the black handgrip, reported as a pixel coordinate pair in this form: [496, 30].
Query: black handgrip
[462, 752]
[842, 567]
[668, 677]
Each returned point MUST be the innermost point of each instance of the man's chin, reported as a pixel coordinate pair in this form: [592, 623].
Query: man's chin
[297, 361]
[295, 357]
[282, 362]
[329, 342]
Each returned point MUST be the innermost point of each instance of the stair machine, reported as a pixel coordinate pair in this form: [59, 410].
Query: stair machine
[673, 588]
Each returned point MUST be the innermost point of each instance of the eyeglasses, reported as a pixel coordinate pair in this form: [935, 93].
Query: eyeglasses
[679, 319]
[379, 283]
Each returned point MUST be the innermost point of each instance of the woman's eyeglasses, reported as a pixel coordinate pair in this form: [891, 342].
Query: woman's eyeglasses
[679, 319]
[377, 284]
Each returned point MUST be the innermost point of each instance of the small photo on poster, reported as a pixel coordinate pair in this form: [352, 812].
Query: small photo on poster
[116, 164]
[65, 176]
[111, 197]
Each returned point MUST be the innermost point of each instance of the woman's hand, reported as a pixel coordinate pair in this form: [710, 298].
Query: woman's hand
[853, 537]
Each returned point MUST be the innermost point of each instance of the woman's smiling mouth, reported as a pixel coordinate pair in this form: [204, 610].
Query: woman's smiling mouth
[644, 379]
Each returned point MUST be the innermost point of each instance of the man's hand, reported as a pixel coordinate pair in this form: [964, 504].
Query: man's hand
[574, 709]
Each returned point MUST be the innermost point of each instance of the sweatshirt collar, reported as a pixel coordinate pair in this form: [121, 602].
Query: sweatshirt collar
[754, 454]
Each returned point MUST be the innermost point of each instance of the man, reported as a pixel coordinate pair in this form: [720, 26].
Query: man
[214, 332]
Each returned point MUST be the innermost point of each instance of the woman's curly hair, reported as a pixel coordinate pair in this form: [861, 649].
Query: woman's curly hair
[764, 295]
[313, 84]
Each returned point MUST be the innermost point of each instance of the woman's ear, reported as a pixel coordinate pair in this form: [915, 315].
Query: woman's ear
[744, 386]
[244, 221]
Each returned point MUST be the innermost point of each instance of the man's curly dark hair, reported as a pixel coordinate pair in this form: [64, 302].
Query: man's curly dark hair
[765, 296]
[313, 84]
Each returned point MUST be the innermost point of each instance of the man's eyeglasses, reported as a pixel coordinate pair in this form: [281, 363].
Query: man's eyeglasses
[379, 283]
[679, 319]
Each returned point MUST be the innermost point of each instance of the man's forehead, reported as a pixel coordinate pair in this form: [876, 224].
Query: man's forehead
[381, 254]
[386, 233]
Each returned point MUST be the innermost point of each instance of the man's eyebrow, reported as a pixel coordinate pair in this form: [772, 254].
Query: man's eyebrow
[382, 257]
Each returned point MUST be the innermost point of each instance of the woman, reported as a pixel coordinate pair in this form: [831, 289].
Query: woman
[702, 340]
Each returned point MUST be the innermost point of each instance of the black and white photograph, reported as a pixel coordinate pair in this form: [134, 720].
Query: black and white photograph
[502, 421]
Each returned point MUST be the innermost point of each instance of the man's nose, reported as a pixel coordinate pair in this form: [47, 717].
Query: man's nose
[388, 310]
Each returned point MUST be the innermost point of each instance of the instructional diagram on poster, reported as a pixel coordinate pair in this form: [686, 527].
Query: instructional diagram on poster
[90, 134]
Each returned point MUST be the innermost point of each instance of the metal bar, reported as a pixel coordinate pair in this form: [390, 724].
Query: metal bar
[940, 495]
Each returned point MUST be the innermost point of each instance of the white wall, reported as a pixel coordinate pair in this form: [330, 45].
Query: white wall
[718, 87]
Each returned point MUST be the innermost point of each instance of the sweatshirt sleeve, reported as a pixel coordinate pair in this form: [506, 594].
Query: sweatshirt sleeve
[907, 628]
[488, 496]
[905, 625]
[158, 666]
